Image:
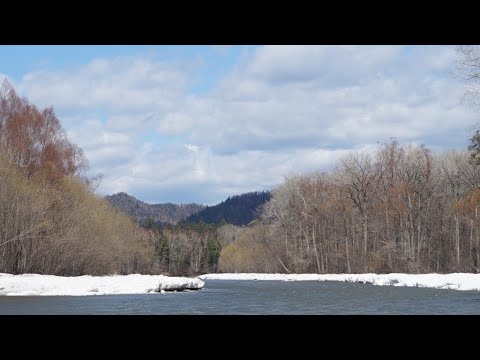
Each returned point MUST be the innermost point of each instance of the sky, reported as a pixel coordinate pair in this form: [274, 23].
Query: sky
[198, 124]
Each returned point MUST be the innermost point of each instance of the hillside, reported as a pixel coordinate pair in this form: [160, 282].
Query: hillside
[167, 213]
[237, 210]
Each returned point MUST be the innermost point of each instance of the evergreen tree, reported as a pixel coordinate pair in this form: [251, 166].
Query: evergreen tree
[162, 251]
[213, 253]
[474, 147]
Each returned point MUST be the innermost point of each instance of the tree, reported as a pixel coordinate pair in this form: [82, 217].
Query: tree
[361, 177]
[148, 223]
[468, 70]
[162, 251]
[474, 147]
[34, 139]
[398, 209]
[51, 221]
[213, 249]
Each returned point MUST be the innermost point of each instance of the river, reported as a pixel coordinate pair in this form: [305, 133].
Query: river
[259, 297]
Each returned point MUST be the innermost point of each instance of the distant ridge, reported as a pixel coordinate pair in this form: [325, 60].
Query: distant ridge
[166, 213]
[238, 210]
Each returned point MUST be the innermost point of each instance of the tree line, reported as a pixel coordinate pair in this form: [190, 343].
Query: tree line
[51, 222]
[399, 209]
[186, 249]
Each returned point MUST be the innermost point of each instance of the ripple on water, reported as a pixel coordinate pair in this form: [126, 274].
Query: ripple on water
[260, 297]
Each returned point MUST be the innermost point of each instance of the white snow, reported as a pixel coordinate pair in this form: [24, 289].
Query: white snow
[456, 281]
[48, 285]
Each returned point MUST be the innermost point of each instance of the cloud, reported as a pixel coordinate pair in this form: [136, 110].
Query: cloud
[118, 85]
[209, 178]
[174, 124]
[280, 109]
[328, 96]
[327, 65]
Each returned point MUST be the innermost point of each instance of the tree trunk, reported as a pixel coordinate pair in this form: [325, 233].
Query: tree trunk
[419, 235]
[411, 229]
[477, 238]
[457, 240]
[471, 242]
[324, 249]
[389, 242]
[365, 239]
[315, 250]
[346, 245]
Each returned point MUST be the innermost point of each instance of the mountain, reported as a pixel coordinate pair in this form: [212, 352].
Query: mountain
[237, 210]
[167, 213]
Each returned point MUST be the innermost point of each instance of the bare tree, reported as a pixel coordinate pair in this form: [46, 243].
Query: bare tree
[398, 209]
[468, 70]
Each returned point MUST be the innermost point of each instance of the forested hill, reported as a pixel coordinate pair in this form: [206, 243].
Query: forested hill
[167, 213]
[237, 210]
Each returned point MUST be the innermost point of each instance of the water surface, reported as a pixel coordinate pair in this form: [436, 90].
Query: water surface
[259, 297]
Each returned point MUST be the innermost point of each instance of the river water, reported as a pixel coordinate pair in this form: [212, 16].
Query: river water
[259, 297]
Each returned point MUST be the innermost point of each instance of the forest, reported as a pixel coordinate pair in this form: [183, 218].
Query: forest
[237, 210]
[161, 214]
[51, 222]
[399, 208]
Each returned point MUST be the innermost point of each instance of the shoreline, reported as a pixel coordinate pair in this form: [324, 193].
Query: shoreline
[452, 281]
[86, 285]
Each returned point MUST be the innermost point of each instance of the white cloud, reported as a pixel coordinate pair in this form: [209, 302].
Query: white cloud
[320, 96]
[120, 84]
[328, 65]
[280, 109]
[213, 176]
[174, 124]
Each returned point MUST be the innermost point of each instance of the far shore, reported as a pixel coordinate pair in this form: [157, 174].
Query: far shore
[51, 285]
[453, 281]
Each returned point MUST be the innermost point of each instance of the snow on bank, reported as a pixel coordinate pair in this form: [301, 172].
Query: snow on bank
[34, 284]
[456, 281]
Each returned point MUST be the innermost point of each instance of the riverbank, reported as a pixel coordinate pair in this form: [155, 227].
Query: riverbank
[51, 285]
[455, 281]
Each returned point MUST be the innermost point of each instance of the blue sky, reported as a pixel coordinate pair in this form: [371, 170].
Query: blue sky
[213, 62]
[201, 123]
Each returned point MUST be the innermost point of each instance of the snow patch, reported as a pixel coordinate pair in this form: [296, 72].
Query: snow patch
[50, 285]
[454, 281]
